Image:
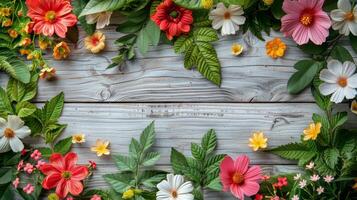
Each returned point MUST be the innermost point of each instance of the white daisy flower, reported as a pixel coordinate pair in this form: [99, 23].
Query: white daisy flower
[11, 131]
[340, 80]
[228, 19]
[102, 19]
[174, 188]
[344, 18]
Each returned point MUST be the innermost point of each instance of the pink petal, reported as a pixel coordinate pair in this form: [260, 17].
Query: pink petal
[318, 34]
[322, 19]
[51, 181]
[241, 164]
[250, 188]
[292, 7]
[237, 191]
[60, 30]
[56, 160]
[62, 188]
[70, 160]
[79, 173]
[289, 24]
[254, 173]
[75, 187]
[301, 35]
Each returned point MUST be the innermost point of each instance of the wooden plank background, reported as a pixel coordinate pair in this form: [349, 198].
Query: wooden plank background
[118, 104]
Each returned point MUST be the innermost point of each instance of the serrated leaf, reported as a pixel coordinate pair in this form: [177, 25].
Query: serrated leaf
[52, 132]
[12, 65]
[151, 158]
[322, 101]
[205, 35]
[190, 4]
[125, 163]
[24, 109]
[331, 157]
[292, 151]
[134, 148]
[178, 161]
[120, 182]
[53, 108]
[214, 160]
[5, 104]
[209, 141]
[197, 152]
[151, 178]
[182, 44]
[215, 184]
[63, 146]
[147, 136]
[339, 119]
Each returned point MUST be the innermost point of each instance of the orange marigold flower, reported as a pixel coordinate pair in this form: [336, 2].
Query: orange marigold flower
[7, 23]
[24, 51]
[61, 51]
[48, 73]
[43, 44]
[275, 48]
[12, 33]
[25, 42]
[95, 43]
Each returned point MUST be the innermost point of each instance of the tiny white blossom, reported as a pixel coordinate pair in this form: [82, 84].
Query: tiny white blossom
[314, 177]
[311, 165]
[302, 183]
[297, 176]
[174, 188]
[320, 190]
[328, 178]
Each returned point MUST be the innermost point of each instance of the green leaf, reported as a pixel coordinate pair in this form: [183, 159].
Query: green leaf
[63, 146]
[154, 32]
[197, 152]
[151, 158]
[303, 77]
[97, 6]
[24, 109]
[6, 175]
[120, 182]
[134, 148]
[341, 53]
[209, 141]
[45, 151]
[311, 48]
[53, 108]
[205, 35]
[147, 137]
[277, 10]
[125, 163]
[339, 119]
[5, 104]
[292, 151]
[78, 6]
[322, 101]
[143, 41]
[12, 65]
[151, 178]
[244, 3]
[331, 157]
[182, 44]
[190, 4]
[178, 161]
[214, 160]
[215, 184]
[19, 91]
[353, 40]
[53, 131]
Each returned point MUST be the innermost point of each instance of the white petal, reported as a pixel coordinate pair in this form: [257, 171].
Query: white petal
[235, 10]
[23, 132]
[217, 22]
[349, 93]
[338, 96]
[348, 68]
[228, 28]
[344, 5]
[185, 188]
[16, 144]
[170, 180]
[327, 88]
[335, 67]
[103, 20]
[92, 18]
[327, 76]
[185, 197]
[3, 123]
[163, 195]
[338, 15]
[352, 26]
[14, 122]
[221, 8]
[4, 145]
[238, 19]
[178, 181]
[352, 81]
[164, 186]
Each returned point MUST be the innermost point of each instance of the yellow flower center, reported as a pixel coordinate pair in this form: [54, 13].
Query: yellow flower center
[9, 133]
[349, 16]
[50, 16]
[306, 19]
[66, 175]
[174, 194]
[238, 178]
[354, 106]
[227, 15]
[78, 138]
[342, 81]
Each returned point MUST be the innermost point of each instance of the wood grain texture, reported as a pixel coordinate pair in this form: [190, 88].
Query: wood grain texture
[160, 76]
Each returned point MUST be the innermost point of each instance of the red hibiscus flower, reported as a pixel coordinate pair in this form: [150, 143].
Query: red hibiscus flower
[172, 19]
[51, 16]
[64, 174]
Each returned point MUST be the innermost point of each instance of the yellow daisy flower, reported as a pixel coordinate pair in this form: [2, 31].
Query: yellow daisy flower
[237, 49]
[78, 138]
[311, 132]
[258, 141]
[354, 107]
[275, 48]
[207, 4]
[101, 147]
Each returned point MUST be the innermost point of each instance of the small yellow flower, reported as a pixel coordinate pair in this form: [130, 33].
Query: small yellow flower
[354, 107]
[5, 12]
[47, 73]
[207, 4]
[268, 2]
[12, 33]
[237, 49]
[101, 147]
[25, 42]
[95, 43]
[258, 141]
[24, 51]
[275, 48]
[53, 196]
[128, 194]
[61, 51]
[78, 138]
[7, 23]
[43, 44]
[311, 132]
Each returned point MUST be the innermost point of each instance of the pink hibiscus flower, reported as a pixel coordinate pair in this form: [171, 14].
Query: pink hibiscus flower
[51, 16]
[239, 177]
[305, 20]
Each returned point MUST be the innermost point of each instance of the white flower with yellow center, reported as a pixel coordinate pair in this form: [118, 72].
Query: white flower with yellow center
[102, 19]
[174, 188]
[228, 19]
[344, 18]
[339, 80]
[78, 138]
[11, 131]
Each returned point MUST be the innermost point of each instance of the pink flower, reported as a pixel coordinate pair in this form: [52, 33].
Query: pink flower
[275, 198]
[36, 155]
[20, 165]
[305, 20]
[96, 197]
[92, 165]
[315, 177]
[40, 163]
[239, 177]
[328, 178]
[28, 189]
[16, 182]
[28, 168]
[69, 198]
[320, 190]
[283, 181]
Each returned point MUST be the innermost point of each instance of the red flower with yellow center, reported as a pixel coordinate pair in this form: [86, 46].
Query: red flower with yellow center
[172, 19]
[51, 16]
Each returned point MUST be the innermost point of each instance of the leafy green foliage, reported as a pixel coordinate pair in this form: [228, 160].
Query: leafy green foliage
[244, 3]
[132, 174]
[189, 4]
[78, 6]
[307, 69]
[341, 53]
[97, 6]
[294, 151]
[12, 65]
[203, 168]
[200, 53]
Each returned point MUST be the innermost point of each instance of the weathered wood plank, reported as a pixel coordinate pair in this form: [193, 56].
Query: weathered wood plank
[160, 77]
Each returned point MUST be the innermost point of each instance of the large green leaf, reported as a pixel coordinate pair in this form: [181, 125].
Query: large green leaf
[293, 151]
[341, 53]
[331, 157]
[307, 69]
[53, 108]
[178, 161]
[19, 91]
[5, 104]
[125, 163]
[147, 137]
[197, 152]
[209, 141]
[151, 158]
[63, 146]
[120, 182]
[190, 4]
[12, 65]
[96, 6]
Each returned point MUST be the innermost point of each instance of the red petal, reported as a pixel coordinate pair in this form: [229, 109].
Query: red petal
[75, 187]
[60, 30]
[79, 173]
[70, 160]
[62, 188]
[48, 169]
[51, 181]
[56, 160]
[241, 164]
